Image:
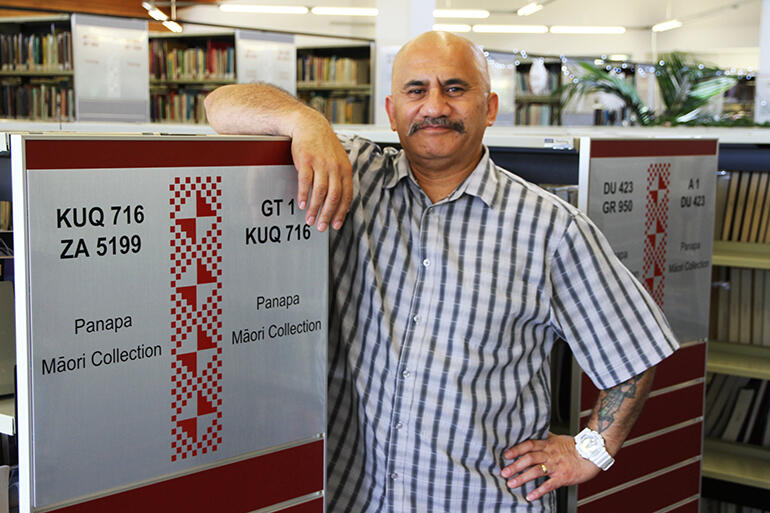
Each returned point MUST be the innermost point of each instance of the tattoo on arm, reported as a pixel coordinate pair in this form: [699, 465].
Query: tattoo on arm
[613, 400]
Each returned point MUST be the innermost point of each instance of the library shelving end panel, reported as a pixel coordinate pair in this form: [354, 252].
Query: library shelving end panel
[172, 325]
[654, 200]
[112, 69]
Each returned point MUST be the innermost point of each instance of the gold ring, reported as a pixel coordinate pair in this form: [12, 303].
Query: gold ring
[544, 469]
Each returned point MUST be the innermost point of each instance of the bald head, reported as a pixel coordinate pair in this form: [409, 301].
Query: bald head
[436, 43]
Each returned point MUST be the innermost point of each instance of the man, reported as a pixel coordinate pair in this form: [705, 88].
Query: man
[450, 281]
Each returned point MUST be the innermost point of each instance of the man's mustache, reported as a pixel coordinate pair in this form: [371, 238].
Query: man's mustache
[442, 121]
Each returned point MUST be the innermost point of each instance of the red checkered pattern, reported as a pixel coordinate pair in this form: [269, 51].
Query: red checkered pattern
[196, 328]
[655, 229]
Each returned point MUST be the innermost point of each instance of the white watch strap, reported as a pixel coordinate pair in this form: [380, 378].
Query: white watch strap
[598, 455]
[603, 460]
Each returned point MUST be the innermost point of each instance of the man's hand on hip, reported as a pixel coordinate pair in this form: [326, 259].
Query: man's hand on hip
[555, 458]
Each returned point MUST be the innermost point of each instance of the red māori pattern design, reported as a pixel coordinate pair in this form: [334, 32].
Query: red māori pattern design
[655, 230]
[196, 327]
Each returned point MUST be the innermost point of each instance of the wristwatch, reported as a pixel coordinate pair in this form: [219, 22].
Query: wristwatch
[590, 445]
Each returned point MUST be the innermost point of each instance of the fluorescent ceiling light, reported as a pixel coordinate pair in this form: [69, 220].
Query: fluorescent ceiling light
[446, 27]
[666, 25]
[586, 29]
[511, 29]
[460, 13]
[154, 12]
[618, 57]
[172, 26]
[530, 8]
[345, 11]
[264, 9]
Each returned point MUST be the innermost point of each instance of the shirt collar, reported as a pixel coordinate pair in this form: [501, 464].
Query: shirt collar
[482, 182]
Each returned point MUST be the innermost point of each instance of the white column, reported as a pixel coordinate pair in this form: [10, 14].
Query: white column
[762, 98]
[398, 22]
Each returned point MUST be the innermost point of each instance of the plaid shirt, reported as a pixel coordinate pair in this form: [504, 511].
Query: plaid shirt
[443, 317]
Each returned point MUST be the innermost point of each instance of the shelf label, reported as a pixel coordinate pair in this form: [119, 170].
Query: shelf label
[177, 320]
[657, 212]
[263, 57]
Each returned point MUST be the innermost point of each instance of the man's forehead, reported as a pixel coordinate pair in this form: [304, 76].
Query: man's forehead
[443, 79]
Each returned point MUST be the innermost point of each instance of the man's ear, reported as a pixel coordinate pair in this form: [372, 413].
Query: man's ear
[492, 105]
[391, 111]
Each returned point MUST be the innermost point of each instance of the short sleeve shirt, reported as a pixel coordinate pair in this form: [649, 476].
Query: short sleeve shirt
[443, 316]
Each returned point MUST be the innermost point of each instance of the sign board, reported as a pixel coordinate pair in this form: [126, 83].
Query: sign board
[266, 57]
[112, 69]
[502, 76]
[171, 329]
[654, 200]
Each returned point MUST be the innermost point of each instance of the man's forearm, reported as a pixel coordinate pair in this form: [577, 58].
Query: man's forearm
[617, 409]
[257, 108]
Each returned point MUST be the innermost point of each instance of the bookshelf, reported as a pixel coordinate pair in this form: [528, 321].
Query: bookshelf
[739, 359]
[183, 69]
[533, 101]
[36, 72]
[337, 81]
[742, 254]
[738, 101]
[739, 339]
[737, 462]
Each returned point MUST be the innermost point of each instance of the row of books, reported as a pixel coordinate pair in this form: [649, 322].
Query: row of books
[743, 207]
[178, 107]
[348, 109]
[533, 114]
[332, 70]
[36, 52]
[717, 506]
[37, 100]
[737, 409]
[215, 61]
[740, 306]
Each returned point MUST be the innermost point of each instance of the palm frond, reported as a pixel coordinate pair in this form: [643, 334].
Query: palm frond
[685, 88]
[594, 80]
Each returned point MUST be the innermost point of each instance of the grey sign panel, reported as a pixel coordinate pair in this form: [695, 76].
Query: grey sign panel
[177, 318]
[658, 213]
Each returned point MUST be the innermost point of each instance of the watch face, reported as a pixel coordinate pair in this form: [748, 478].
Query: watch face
[588, 444]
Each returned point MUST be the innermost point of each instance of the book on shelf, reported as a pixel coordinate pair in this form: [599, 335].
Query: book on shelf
[739, 414]
[721, 303]
[765, 340]
[758, 306]
[753, 417]
[334, 69]
[36, 52]
[183, 106]
[533, 114]
[740, 206]
[37, 99]
[342, 109]
[733, 305]
[761, 200]
[741, 309]
[6, 216]
[743, 207]
[737, 409]
[721, 407]
[722, 188]
[745, 302]
[210, 60]
[751, 202]
[725, 216]
[710, 505]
